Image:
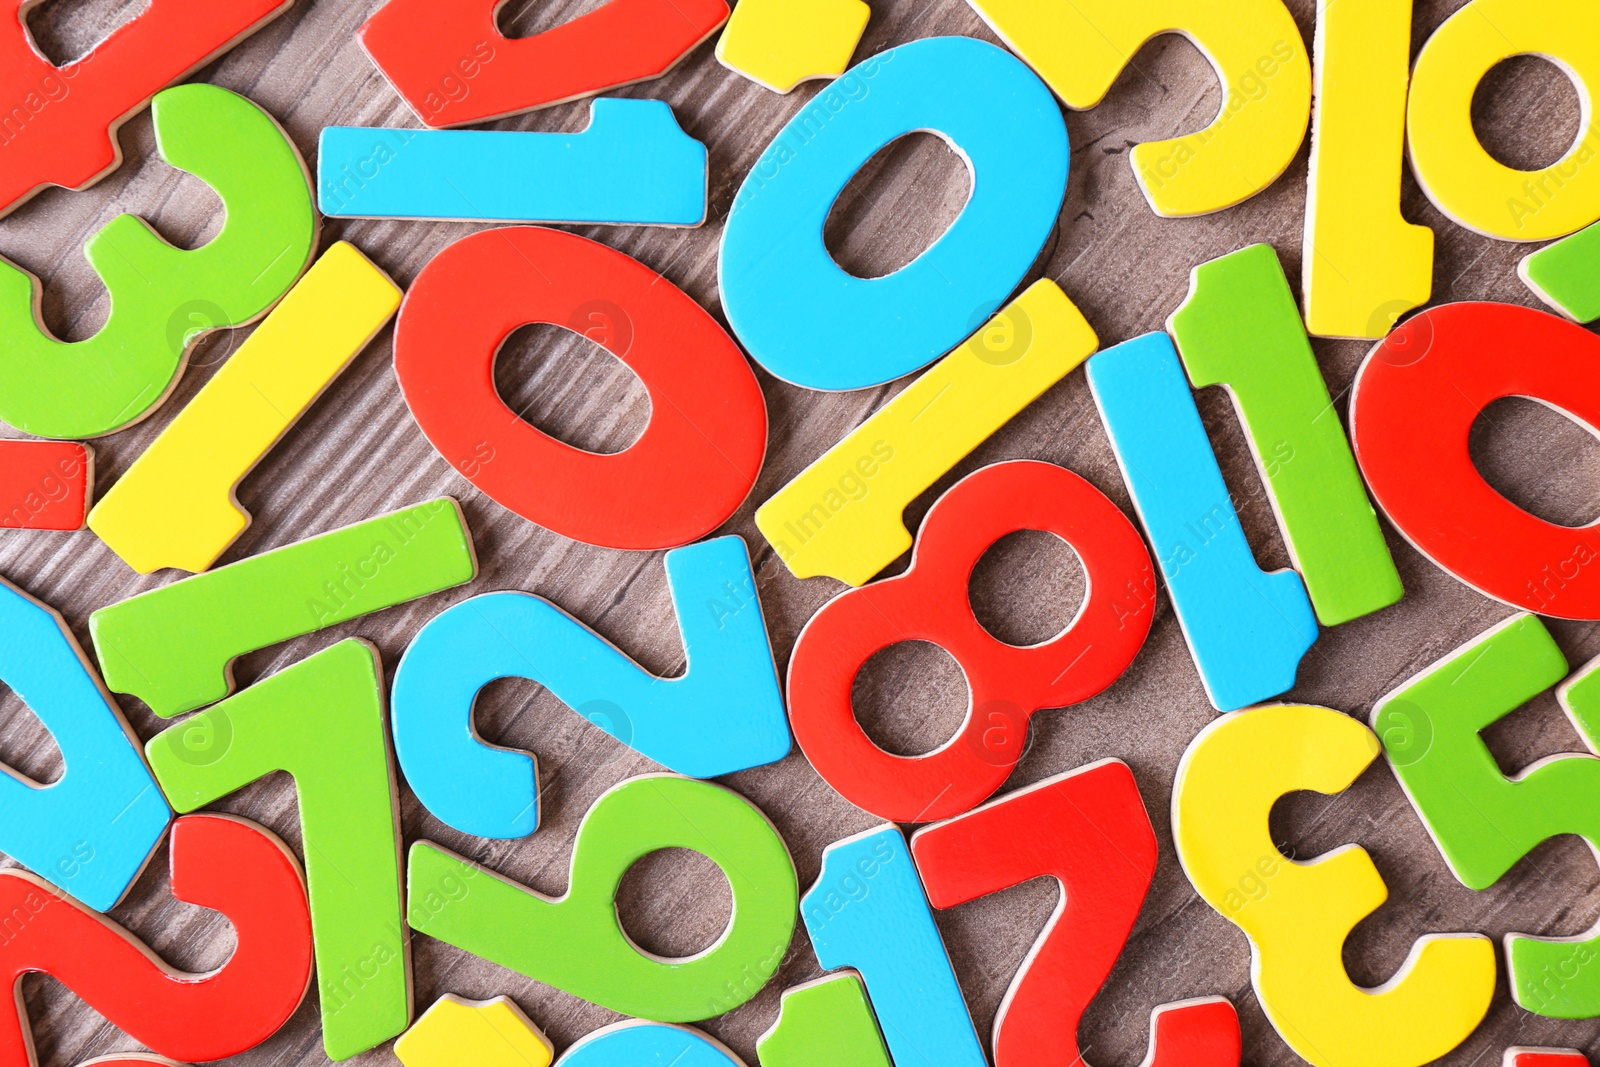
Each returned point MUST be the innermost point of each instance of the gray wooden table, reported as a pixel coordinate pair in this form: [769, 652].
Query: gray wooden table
[358, 453]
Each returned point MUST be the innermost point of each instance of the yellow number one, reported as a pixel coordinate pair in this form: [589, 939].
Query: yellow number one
[1364, 265]
[175, 507]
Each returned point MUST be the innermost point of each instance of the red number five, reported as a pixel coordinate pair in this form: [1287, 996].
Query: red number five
[1088, 830]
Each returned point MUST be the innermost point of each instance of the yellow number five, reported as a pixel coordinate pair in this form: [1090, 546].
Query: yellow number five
[1298, 915]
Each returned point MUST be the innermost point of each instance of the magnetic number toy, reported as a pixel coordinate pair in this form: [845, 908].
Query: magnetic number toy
[174, 647]
[647, 1044]
[576, 943]
[63, 121]
[1246, 629]
[322, 722]
[1364, 265]
[1008, 683]
[164, 299]
[723, 714]
[1298, 915]
[633, 164]
[828, 1020]
[489, 1033]
[781, 43]
[810, 322]
[1454, 169]
[219, 862]
[1485, 821]
[867, 911]
[687, 473]
[1240, 327]
[45, 485]
[1088, 830]
[843, 515]
[1566, 275]
[1080, 48]
[175, 507]
[91, 831]
[1414, 403]
[452, 65]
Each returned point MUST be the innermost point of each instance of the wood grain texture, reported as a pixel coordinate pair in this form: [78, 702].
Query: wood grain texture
[358, 453]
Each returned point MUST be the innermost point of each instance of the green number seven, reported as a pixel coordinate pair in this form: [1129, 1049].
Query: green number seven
[322, 721]
[1485, 822]
[577, 944]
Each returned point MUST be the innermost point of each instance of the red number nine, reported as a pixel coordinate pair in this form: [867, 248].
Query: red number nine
[1087, 829]
[218, 862]
[1007, 683]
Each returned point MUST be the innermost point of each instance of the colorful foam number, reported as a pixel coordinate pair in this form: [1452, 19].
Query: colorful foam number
[1363, 264]
[90, 832]
[1453, 168]
[867, 911]
[633, 165]
[828, 1020]
[1081, 47]
[1240, 327]
[62, 123]
[321, 721]
[644, 1044]
[1298, 915]
[174, 647]
[1564, 274]
[175, 507]
[1088, 830]
[576, 943]
[696, 461]
[843, 515]
[489, 1033]
[164, 299]
[781, 43]
[219, 862]
[1485, 822]
[1246, 629]
[775, 272]
[723, 714]
[452, 65]
[1523, 1056]
[45, 485]
[1007, 683]
[1414, 403]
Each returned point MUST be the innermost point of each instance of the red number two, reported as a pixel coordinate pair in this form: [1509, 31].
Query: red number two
[1088, 830]
[452, 64]
[218, 862]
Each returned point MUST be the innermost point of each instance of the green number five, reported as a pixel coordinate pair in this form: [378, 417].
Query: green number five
[1485, 822]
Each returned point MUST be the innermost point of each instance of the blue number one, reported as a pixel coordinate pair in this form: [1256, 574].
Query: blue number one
[868, 911]
[1246, 629]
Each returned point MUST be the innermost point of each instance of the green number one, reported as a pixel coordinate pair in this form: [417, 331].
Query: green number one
[1241, 327]
[577, 944]
[1484, 822]
[322, 721]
